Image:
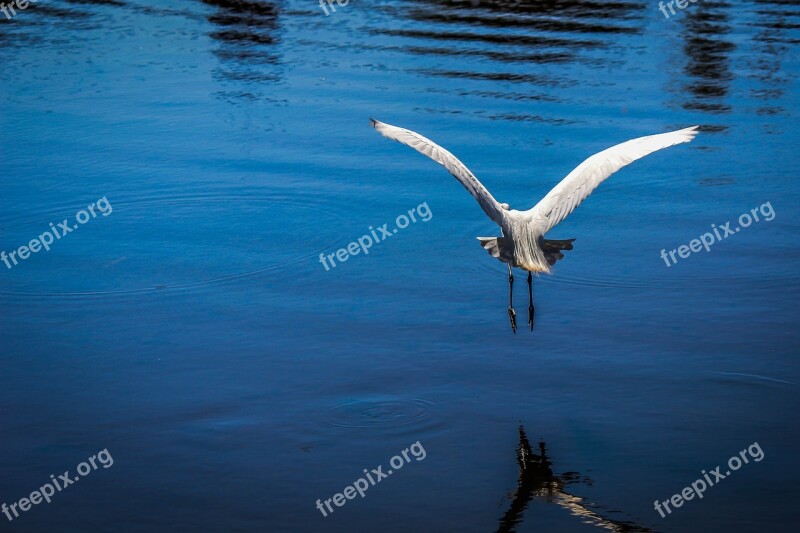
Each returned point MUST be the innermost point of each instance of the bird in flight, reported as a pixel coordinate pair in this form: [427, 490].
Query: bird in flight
[523, 244]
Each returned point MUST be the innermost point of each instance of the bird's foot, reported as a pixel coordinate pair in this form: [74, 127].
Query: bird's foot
[530, 316]
[512, 316]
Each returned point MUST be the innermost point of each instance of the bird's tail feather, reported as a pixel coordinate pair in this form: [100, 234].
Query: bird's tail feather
[490, 245]
[501, 248]
[552, 249]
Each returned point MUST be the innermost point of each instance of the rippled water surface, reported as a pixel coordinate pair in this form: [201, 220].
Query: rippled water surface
[191, 330]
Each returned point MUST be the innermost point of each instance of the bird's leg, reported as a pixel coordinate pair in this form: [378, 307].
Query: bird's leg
[512, 315]
[530, 301]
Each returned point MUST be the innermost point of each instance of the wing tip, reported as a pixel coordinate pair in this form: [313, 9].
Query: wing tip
[375, 123]
[688, 134]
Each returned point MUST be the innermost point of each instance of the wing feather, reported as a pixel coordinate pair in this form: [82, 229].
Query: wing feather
[581, 182]
[429, 148]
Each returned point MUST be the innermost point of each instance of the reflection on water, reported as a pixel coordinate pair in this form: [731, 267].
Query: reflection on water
[590, 17]
[249, 35]
[500, 47]
[537, 480]
[773, 41]
[707, 49]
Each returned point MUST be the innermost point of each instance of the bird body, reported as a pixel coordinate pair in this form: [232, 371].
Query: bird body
[523, 244]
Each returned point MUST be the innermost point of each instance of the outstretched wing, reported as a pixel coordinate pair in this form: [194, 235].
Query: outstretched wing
[429, 148]
[581, 182]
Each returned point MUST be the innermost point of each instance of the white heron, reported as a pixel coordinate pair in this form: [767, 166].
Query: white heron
[523, 244]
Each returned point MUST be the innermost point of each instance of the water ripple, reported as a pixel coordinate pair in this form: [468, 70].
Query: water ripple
[379, 413]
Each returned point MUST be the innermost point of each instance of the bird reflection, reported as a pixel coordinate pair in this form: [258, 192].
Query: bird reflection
[536, 479]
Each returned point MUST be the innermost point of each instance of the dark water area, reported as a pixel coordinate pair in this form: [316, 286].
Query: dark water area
[186, 324]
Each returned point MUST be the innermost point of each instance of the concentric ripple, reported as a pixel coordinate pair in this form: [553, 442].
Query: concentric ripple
[378, 413]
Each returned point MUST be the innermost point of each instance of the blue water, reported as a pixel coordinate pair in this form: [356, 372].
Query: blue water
[191, 330]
